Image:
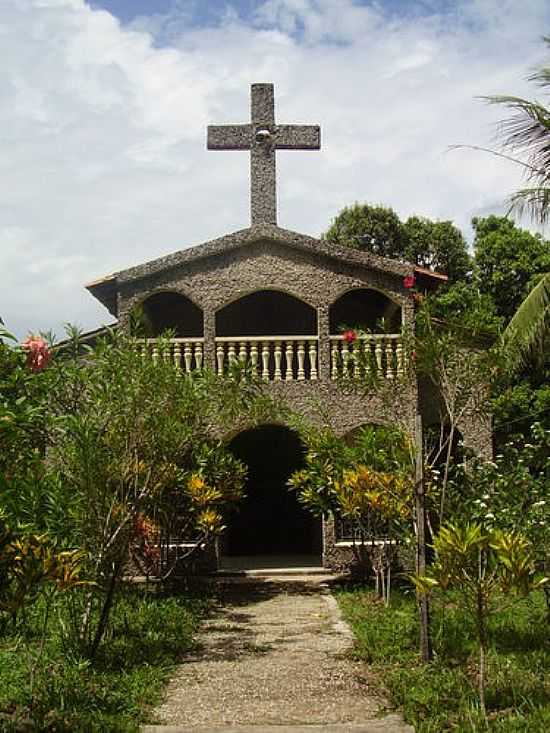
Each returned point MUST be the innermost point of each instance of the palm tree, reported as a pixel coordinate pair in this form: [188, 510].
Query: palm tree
[526, 141]
[527, 134]
[525, 339]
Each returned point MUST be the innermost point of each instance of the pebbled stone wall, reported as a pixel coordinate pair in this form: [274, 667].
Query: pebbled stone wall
[213, 282]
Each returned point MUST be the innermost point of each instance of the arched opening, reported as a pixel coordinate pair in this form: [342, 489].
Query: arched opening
[366, 309]
[165, 311]
[270, 522]
[267, 313]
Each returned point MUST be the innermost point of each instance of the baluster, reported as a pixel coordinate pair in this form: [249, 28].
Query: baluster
[155, 352]
[301, 361]
[354, 355]
[177, 354]
[345, 358]
[243, 353]
[389, 358]
[254, 357]
[187, 356]
[360, 349]
[220, 357]
[312, 353]
[289, 354]
[265, 361]
[335, 358]
[232, 353]
[278, 356]
[399, 357]
[167, 352]
[198, 356]
[378, 354]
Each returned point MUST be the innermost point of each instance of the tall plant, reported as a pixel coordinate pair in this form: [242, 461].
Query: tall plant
[481, 567]
[140, 456]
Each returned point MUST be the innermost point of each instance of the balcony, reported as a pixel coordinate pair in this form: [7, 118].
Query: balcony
[277, 336]
[284, 358]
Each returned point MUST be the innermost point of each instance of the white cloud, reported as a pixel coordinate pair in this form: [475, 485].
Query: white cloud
[102, 151]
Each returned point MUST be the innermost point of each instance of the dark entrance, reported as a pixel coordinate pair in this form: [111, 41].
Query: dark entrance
[270, 520]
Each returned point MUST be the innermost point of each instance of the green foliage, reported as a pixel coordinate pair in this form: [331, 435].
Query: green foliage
[437, 245]
[480, 565]
[527, 134]
[375, 229]
[527, 335]
[507, 260]
[517, 405]
[146, 638]
[105, 447]
[511, 492]
[332, 465]
[464, 307]
[441, 696]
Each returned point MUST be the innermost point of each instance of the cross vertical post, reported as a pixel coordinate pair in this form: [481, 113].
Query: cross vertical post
[263, 137]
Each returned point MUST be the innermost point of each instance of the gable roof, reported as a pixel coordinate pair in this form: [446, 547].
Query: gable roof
[105, 289]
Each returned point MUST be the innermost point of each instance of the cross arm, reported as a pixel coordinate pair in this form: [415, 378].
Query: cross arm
[298, 137]
[229, 137]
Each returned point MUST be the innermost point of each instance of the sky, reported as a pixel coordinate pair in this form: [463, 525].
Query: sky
[104, 107]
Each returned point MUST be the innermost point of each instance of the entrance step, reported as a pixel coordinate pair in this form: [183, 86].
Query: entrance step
[271, 564]
[272, 572]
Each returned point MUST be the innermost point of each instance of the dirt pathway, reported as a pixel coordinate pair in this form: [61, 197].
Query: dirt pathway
[273, 655]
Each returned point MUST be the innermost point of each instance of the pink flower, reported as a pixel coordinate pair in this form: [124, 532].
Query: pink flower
[350, 336]
[409, 281]
[38, 352]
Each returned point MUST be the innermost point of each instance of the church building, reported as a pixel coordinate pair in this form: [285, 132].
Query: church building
[277, 299]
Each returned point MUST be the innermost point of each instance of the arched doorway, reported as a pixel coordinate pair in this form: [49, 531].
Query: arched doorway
[270, 522]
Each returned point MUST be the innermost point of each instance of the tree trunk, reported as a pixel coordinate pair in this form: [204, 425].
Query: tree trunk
[482, 638]
[107, 605]
[422, 598]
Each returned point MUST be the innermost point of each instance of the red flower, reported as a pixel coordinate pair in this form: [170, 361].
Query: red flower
[409, 281]
[38, 353]
[350, 336]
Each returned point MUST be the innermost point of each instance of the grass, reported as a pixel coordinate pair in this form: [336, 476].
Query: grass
[442, 696]
[148, 634]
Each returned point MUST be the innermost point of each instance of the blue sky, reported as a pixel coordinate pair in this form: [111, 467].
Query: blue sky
[104, 106]
[210, 12]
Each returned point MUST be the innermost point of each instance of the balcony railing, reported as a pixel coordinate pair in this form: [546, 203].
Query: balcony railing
[379, 352]
[273, 358]
[284, 358]
[188, 354]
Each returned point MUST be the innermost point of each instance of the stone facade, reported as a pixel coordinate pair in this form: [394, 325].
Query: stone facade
[265, 257]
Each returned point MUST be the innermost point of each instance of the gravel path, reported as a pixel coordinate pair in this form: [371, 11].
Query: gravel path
[274, 654]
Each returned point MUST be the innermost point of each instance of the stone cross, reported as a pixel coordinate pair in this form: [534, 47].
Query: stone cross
[263, 137]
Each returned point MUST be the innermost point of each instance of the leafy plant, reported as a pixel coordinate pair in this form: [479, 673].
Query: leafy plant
[480, 565]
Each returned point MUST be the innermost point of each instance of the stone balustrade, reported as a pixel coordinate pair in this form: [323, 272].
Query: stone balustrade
[285, 358]
[186, 353]
[382, 352]
[273, 358]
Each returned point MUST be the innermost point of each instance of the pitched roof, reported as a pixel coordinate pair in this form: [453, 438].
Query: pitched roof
[105, 288]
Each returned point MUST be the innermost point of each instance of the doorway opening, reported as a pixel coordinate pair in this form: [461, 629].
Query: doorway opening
[271, 528]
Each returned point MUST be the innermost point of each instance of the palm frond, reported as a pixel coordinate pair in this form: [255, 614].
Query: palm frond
[525, 336]
[527, 131]
[533, 201]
